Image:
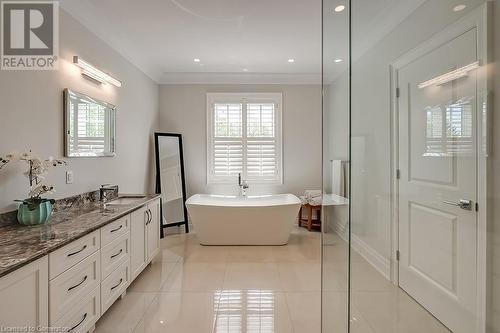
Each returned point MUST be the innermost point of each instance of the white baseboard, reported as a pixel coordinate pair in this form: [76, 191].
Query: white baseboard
[378, 261]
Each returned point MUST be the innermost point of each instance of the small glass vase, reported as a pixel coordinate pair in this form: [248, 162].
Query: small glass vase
[34, 214]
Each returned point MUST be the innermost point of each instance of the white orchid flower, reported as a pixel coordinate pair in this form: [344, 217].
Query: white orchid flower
[37, 169]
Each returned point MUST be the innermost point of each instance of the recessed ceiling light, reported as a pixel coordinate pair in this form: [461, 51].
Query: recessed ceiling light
[291, 60]
[245, 69]
[196, 60]
[459, 8]
[339, 8]
[338, 60]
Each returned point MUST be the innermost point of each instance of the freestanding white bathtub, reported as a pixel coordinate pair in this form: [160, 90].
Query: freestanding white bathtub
[252, 220]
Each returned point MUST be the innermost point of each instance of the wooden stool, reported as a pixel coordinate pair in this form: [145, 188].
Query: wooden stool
[310, 222]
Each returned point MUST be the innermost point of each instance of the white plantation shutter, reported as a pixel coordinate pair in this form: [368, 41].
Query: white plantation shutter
[261, 157]
[227, 150]
[228, 158]
[244, 136]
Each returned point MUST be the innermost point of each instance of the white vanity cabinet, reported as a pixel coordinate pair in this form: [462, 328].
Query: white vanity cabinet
[24, 296]
[74, 285]
[145, 236]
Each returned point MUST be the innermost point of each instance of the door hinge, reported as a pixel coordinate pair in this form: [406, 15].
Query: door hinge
[397, 92]
[397, 255]
[398, 174]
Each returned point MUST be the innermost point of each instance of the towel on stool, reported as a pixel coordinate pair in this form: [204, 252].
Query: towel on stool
[313, 198]
[312, 193]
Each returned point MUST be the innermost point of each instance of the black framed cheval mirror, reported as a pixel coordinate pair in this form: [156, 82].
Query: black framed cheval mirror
[170, 180]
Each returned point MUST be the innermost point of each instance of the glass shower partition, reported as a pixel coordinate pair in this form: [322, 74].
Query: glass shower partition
[335, 227]
[410, 206]
[410, 211]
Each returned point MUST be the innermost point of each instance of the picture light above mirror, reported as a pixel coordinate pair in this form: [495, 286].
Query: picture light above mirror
[95, 73]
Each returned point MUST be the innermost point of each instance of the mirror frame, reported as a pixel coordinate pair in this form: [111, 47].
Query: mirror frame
[157, 135]
[66, 93]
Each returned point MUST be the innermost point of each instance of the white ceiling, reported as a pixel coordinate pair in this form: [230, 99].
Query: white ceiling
[162, 37]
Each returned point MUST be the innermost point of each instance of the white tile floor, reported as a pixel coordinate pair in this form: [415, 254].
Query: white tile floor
[191, 288]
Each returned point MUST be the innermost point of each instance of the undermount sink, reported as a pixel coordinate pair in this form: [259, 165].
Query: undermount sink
[125, 200]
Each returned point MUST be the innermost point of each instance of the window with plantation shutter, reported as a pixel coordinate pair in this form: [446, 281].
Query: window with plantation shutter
[244, 136]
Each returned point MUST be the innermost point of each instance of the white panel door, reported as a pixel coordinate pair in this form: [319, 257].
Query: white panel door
[437, 161]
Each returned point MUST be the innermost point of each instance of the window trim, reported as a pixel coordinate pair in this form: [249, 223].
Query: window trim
[244, 98]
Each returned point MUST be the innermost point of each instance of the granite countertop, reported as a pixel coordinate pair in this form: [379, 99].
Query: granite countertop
[20, 245]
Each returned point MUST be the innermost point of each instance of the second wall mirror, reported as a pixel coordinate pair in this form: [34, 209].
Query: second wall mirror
[89, 126]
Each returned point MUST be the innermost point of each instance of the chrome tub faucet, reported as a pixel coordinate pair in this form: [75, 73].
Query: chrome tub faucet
[243, 184]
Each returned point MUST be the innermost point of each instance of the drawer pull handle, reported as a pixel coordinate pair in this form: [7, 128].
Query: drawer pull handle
[81, 321]
[116, 255]
[149, 219]
[84, 279]
[114, 287]
[73, 253]
[114, 230]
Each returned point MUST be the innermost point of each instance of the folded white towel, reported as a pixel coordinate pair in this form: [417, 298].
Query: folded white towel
[312, 193]
[312, 197]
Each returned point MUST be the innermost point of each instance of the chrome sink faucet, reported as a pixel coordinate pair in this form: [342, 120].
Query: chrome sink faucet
[105, 190]
[243, 184]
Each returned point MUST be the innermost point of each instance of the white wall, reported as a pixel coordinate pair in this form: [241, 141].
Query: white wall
[31, 117]
[183, 110]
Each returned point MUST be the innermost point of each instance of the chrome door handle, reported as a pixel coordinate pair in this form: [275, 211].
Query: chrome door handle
[462, 204]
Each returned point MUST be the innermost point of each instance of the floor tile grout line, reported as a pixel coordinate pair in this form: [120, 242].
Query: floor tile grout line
[368, 323]
[170, 272]
[144, 313]
[221, 291]
[286, 302]
[153, 298]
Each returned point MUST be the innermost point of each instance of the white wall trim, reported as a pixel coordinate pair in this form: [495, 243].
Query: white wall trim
[478, 18]
[240, 78]
[373, 257]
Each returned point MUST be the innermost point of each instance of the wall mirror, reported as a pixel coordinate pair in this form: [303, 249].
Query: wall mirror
[89, 126]
[170, 180]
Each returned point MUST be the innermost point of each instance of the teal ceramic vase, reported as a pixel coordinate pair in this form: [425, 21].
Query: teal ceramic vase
[34, 214]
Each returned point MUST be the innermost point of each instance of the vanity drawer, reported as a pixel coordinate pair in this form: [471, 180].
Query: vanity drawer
[115, 229]
[114, 254]
[72, 286]
[71, 254]
[83, 316]
[114, 285]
